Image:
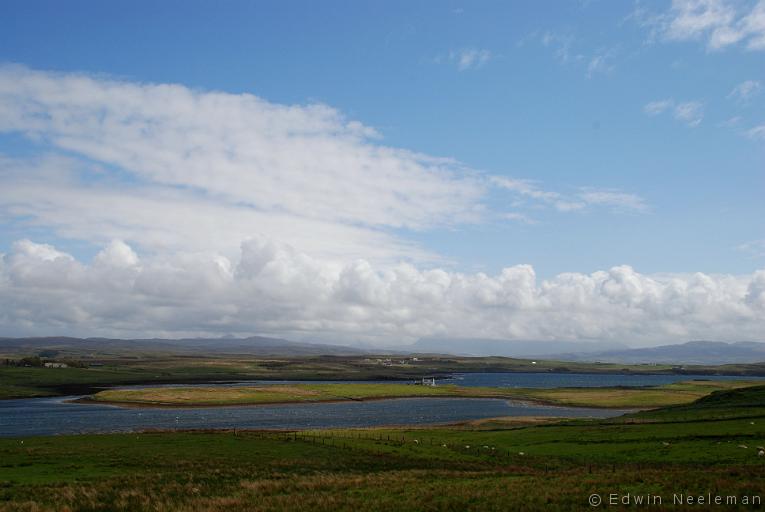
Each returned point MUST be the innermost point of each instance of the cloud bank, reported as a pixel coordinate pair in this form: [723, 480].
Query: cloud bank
[273, 288]
[220, 213]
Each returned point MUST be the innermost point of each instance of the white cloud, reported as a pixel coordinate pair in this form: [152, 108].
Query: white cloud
[167, 168]
[654, 108]
[275, 289]
[601, 62]
[757, 133]
[519, 217]
[223, 213]
[755, 248]
[188, 154]
[296, 159]
[597, 63]
[586, 197]
[530, 189]
[470, 58]
[690, 112]
[731, 122]
[618, 200]
[719, 23]
[567, 50]
[48, 192]
[117, 255]
[745, 90]
[524, 187]
[562, 45]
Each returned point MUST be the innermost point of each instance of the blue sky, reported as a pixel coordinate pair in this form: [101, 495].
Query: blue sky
[626, 133]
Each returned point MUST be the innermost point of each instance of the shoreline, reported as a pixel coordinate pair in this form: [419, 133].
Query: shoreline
[160, 405]
[68, 389]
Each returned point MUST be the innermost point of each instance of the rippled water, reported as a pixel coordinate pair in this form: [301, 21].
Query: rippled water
[44, 416]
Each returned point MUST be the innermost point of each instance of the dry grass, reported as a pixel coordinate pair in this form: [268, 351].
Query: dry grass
[406, 490]
[673, 394]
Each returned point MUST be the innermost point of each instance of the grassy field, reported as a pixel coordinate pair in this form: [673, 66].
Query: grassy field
[672, 394]
[19, 382]
[710, 446]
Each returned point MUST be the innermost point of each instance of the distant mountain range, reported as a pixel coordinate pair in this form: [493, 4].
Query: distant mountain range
[693, 352]
[506, 348]
[254, 345]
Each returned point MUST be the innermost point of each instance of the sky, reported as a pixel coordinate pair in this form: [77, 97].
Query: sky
[380, 172]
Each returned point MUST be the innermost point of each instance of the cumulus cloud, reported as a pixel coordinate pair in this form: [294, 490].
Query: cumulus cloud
[223, 213]
[718, 23]
[273, 288]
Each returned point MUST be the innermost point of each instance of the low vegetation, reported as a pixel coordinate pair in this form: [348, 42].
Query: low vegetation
[672, 394]
[710, 446]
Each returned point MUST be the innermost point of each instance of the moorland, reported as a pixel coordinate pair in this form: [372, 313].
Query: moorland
[708, 448]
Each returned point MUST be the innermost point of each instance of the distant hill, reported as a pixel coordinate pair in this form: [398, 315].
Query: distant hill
[506, 348]
[692, 352]
[254, 345]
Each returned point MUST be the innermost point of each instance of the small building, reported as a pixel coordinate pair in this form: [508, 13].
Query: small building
[56, 365]
[427, 381]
